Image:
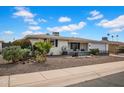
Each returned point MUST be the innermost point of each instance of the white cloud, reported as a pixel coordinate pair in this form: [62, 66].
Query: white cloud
[115, 25]
[117, 22]
[71, 27]
[31, 33]
[34, 28]
[101, 23]
[36, 33]
[8, 32]
[64, 19]
[116, 30]
[31, 21]
[42, 20]
[25, 14]
[95, 15]
[74, 33]
[27, 33]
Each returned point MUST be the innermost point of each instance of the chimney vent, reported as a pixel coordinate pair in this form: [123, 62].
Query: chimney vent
[55, 33]
[105, 38]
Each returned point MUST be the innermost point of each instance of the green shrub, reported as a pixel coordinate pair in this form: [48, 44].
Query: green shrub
[41, 50]
[94, 51]
[24, 43]
[14, 53]
[25, 54]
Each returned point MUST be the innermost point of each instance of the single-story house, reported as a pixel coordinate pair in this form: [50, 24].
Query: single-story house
[69, 43]
[74, 44]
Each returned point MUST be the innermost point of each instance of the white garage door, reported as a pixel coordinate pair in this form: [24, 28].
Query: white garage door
[100, 46]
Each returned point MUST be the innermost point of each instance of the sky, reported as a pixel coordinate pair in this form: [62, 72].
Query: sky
[91, 22]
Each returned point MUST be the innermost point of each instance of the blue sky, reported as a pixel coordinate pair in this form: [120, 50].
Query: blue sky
[83, 21]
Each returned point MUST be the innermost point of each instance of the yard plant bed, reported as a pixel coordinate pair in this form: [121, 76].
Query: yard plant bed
[54, 63]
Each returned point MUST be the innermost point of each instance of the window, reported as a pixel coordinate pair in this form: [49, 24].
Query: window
[56, 43]
[52, 42]
[75, 46]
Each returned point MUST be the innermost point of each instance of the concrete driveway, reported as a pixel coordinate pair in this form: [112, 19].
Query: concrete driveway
[62, 77]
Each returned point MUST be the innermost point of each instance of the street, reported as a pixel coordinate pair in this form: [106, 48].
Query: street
[114, 80]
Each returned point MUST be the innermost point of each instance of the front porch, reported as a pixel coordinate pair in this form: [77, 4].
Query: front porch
[77, 49]
[76, 46]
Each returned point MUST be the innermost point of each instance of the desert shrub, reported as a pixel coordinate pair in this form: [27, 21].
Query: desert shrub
[14, 53]
[94, 51]
[41, 50]
[25, 53]
[24, 43]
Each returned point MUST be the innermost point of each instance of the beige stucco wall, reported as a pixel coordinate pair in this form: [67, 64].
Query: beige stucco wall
[84, 46]
[58, 50]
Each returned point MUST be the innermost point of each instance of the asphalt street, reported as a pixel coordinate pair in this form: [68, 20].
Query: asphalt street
[114, 80]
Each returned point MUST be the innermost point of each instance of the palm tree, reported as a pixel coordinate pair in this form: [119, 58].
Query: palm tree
[112, 37]
[108, 35]
[117, 37]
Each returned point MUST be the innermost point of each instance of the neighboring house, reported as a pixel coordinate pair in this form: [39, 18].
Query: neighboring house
[1, 46]
[114, 46]
[69, 43]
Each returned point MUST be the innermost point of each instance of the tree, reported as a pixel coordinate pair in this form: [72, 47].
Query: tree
[14, 53]
[24, 43]
[112, 37]
[117, 37]
[41, 50]
[108, 35]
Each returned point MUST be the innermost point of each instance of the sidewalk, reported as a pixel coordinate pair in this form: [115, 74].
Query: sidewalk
[62, 77]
